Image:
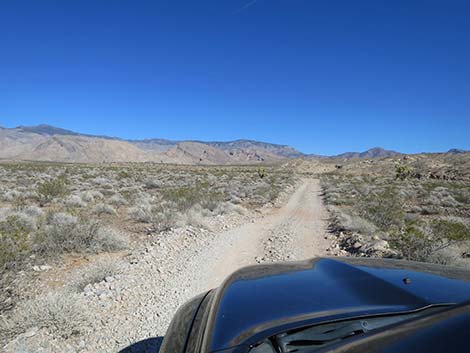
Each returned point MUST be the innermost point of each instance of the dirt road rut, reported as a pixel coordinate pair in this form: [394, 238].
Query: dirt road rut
[295, 231]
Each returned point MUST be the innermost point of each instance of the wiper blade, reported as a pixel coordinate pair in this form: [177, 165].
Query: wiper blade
[318, 335]
[321, 335]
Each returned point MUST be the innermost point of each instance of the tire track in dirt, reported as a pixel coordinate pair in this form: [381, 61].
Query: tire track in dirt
[295, 231]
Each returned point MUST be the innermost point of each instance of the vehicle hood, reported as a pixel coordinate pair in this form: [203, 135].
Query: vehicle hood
[266, 299]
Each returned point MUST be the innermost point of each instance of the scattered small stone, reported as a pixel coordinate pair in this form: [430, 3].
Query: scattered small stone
[31, 332]
[41, 268]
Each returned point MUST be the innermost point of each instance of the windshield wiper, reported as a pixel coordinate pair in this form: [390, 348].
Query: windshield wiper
[322, 335]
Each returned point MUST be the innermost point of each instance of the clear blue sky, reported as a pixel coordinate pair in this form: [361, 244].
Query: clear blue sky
[325, 76]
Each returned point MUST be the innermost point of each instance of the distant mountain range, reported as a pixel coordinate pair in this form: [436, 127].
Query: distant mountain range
[49, 143]
[375, 152]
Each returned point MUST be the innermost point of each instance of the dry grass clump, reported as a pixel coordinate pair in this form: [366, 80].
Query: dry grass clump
[117, 200]
[94, 273]
[104, 209]
[109, 239]
[75, 201]
[345, 220]
[62, 313]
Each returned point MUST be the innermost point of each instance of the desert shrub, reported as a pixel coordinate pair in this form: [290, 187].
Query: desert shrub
[261, 172]
[186, 197]
[51, 189]
[94, 273]
[18, 220]
[228, 208]
[30, 195]
[412, 242]
[449, 256]
[194, 217]
[96, 195]
[448, 201]
[402, 172]
[14, 242]
[62, 313]
[450, 231]
[11, 195]
[65, 233]
[109, 239]
[117, 200]
[332, 198]
[103, 182]
[235, 199]
[58, 235]
[352, 222]
[163, 218]
[103, 208]
[441, 196]
[33, 211]
[123, 174]
[75, 201]
[141, 212]
[419, 243]
[152, 184]
[87, 196]
[91, 195]
[384, 209]
[462, 196]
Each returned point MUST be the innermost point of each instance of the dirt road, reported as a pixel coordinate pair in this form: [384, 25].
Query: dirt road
[190, 266]
[295, 231]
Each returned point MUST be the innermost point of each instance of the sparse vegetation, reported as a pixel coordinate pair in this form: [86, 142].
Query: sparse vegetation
[418, 205]
[53, 212]
[51, 189]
